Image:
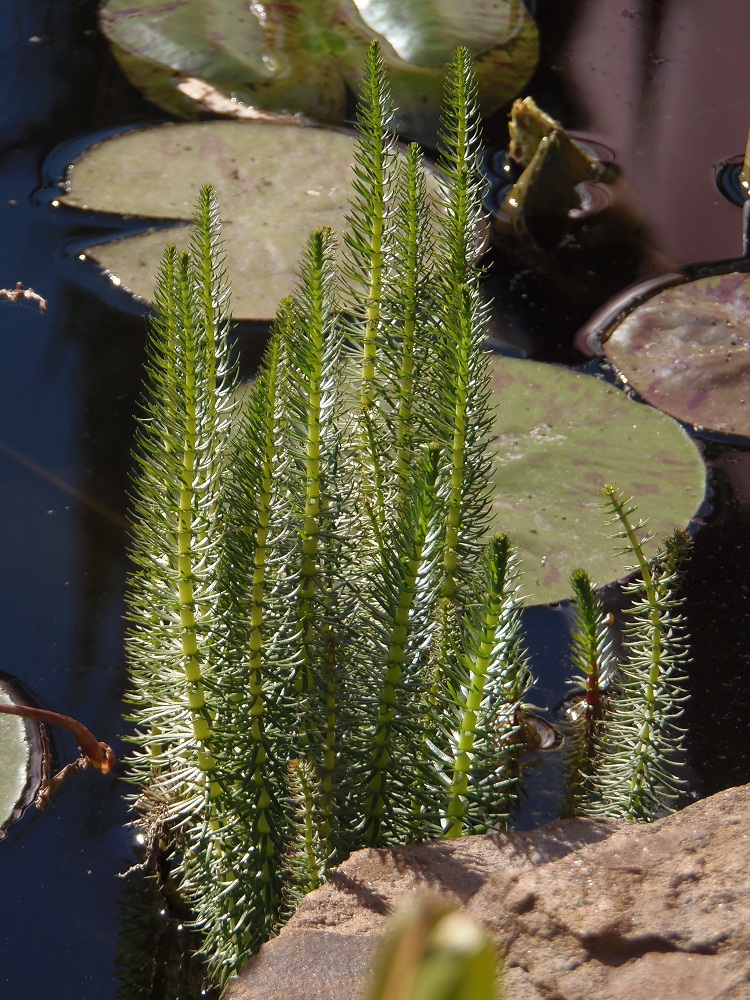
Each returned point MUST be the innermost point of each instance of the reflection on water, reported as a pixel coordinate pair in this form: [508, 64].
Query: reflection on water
[153, 948]
[659, 83]
[718, 597]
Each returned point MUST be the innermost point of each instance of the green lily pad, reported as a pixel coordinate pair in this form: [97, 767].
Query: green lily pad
[20, 753]
[275, 183]
[302, 57]
[686, 350]
[561, 436]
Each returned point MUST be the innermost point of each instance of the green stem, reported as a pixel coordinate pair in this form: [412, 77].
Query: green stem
[375, 146]
[186, 590]
[388, 710]
[327, 785]
[656, 642]
[256, 667]
[374, 497]
[478, 665]
[314, 330]
[303, 783]
[206, 256]
[412, 209]
[372, 321]
[463, 330]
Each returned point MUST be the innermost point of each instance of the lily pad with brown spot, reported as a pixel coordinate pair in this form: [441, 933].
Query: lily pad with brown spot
[561, 436]
[686, 351]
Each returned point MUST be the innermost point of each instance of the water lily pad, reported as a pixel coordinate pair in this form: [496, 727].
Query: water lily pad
[275, 183]
[20, 754]
[686, 350]
[303, 56]
[561, 436]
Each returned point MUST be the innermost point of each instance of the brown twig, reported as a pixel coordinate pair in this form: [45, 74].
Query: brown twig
[19, 292]
[49, 787]
[100, 755]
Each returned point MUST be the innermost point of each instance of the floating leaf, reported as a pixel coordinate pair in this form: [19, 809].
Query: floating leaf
[303, 56]
[562, 436]
[20, 755]
[275, 183]
[686, 350]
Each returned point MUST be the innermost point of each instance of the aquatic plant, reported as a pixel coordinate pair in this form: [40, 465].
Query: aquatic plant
[627, 741]
[318, 646]
[592, 659]
[223, 57]
[324, 650]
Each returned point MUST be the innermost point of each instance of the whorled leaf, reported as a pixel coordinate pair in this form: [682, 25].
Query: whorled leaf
[686, 350]
[302, 57]
[560, 437]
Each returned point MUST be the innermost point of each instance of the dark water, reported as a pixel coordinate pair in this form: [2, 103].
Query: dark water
[662, 84]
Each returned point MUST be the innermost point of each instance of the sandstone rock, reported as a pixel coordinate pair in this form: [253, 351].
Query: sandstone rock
[583, 909]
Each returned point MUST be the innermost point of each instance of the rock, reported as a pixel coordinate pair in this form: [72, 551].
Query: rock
[583, 909]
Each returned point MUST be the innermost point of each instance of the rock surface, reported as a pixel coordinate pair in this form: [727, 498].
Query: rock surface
[583, 909]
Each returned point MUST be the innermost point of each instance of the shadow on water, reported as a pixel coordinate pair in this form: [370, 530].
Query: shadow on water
[634, 76]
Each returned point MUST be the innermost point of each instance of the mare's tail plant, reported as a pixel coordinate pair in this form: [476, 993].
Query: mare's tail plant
[592, 657]
[627, 741]
[325, 651]
[495, 677]
[321, 656]
[176, 633]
